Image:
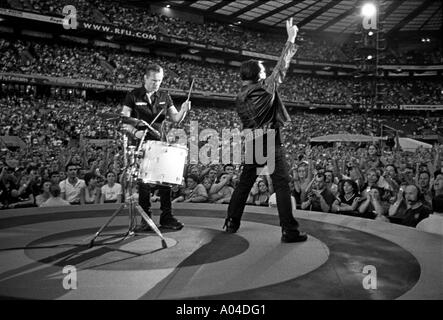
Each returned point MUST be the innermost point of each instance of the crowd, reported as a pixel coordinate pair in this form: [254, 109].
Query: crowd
[60, 166]
[116, 66]
[216, 33]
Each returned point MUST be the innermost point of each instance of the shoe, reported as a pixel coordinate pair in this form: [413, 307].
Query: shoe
[231, 226]
[171, 223]
[290, 236]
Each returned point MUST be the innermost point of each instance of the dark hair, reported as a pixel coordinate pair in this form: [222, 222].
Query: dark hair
[110, 171]
[70, 164]
[193, 177]
[89, 176]
[437, 204]
[43, 183]
[154, 68]
[320, 175]
[54, 190]
[332, 173]
[228, 165]
[54, 173]
[250, 70]
[351, 182]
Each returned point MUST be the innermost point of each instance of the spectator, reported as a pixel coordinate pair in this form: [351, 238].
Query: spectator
[194, 192]
[372, 206]
[221, 191]
[111, 192]
[319, 197]
[433, 223]
[424, 183]
[54, 177]
[72, 188]
[260, 192]
[92, 191]
[23, 196]
[415, 211]
[55, 200]
[348, 199]
[45, 195]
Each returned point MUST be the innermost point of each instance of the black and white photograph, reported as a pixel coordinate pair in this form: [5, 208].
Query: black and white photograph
[221, 157]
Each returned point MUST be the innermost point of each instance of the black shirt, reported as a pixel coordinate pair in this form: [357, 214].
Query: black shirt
[137, 100]
[411, 217]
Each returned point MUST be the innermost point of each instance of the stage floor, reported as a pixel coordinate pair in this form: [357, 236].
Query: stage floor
[344, 257]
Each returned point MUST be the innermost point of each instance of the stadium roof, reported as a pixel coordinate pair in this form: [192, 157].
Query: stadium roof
[339, 16]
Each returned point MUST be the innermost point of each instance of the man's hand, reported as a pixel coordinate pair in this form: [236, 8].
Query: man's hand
[186, 106]
[292, 30]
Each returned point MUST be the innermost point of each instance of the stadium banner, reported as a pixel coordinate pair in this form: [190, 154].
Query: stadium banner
[230, 50]
[179, 41]
[31, 16]
[390, 107]
[411, 67]
[259, 55]
[424, 107]
[212, 47]
[197, 45]
[114, 30]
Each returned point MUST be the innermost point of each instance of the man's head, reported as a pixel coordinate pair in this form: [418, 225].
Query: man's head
[212, 174]
[71, 170]
[329, 176]
[423, 179]
[153, 77]
[252, 70]
[409, 172]
[54, 176]
[412, 194]
[229, 168]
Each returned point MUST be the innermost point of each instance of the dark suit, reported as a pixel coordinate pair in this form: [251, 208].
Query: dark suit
[259, 106]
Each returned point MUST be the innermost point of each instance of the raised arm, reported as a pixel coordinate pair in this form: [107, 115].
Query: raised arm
[279, 72]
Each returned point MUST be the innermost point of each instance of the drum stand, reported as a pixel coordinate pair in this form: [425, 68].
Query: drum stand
[129, 173]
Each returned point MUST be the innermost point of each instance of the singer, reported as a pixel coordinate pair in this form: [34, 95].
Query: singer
[149, 104]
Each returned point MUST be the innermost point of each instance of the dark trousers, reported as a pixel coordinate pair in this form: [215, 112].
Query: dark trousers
[280, 180]
[144, 191]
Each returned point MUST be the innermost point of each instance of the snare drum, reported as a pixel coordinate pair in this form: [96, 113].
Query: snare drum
[163, 163]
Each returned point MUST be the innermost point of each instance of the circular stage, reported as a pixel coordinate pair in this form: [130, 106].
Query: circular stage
[45, 255]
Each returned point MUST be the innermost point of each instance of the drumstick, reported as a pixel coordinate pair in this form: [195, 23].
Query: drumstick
[156, 117]
[190, 89]
[189, 96]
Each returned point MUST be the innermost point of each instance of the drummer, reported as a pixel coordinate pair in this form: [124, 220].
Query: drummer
[146, 103]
